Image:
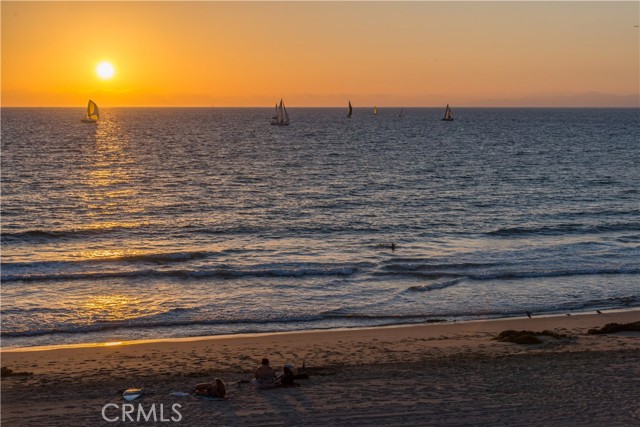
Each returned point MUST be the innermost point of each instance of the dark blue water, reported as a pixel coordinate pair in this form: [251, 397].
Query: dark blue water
[179, 222]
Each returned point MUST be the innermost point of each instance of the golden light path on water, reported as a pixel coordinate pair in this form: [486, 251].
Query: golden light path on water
[111, 308]
[107, 191]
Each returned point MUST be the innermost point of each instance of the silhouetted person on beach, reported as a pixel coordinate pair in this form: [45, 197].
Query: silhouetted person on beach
[265, 377]
[215, 389]
[286, 379]
[265, 374]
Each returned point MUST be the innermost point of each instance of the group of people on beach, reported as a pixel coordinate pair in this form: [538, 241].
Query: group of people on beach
[264, 377]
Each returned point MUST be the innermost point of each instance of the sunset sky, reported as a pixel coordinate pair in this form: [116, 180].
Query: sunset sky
[321, 53]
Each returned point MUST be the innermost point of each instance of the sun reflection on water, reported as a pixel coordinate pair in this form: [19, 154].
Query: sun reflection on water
[107, 188]
[112, 307]
[105, 253]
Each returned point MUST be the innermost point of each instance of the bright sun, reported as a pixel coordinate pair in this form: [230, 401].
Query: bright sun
[105, 70]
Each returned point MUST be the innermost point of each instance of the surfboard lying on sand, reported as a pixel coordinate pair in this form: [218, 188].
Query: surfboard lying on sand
[132, 393]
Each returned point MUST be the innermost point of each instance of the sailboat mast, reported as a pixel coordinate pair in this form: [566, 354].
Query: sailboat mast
[285, 117]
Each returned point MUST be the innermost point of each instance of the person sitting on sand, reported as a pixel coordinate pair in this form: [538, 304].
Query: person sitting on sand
[265, 374]
[286, 379]
[215, 389]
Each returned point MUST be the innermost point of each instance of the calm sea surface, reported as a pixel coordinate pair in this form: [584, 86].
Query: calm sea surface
[181, 222]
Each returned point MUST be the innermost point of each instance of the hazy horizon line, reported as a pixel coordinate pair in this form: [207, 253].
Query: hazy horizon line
[340, 107]
[592, 99]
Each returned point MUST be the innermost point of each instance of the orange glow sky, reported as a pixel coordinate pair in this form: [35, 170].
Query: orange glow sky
[322, 54]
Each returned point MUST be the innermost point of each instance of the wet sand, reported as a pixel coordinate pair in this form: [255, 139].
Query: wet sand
[438, 374]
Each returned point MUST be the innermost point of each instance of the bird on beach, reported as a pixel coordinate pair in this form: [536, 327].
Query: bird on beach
[528, 314]
[568, 314]
[598, 311]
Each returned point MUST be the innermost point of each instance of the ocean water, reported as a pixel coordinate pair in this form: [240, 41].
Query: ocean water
[160, 223]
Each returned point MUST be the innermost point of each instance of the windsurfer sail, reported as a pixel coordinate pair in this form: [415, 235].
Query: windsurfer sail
[448, 116]
[93, 114]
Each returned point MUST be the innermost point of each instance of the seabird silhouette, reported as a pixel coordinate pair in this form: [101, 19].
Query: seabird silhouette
[598, 311]
[568, 314]
[528, 314]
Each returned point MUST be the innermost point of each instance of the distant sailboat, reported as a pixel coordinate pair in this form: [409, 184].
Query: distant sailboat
[448, 116]
[401, 110]
[93, 114]
[282, 117]
[350, 110]
[375, 110]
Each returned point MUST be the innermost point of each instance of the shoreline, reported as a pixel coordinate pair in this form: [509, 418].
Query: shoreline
[297, 346]
[431, 374]
[294, 332]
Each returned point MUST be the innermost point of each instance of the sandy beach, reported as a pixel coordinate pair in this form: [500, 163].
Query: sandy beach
[437, 374]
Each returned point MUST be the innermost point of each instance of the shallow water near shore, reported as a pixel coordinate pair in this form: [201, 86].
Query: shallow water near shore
[186, 222]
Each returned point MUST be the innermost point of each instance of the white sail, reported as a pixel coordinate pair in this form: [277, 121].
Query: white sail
[285, 117]
[282, 117]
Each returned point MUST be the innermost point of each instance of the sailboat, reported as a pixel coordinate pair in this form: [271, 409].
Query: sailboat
[282, 117]
[375, 110]
[401, 110]
[93, 114]
[350, 110]
[448, 117]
